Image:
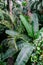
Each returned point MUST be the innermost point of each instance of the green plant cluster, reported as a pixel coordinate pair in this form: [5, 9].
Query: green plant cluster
[21, 35]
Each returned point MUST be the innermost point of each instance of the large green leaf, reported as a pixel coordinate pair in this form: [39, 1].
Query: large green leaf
[35, 22]
[17, 35]
[35, 25]
[12, 33]
[27, 25]
[24, 55]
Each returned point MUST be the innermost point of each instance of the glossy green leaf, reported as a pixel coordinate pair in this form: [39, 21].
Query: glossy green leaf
[24, 57]
[12, 33]
[35, 23]
[27, 25]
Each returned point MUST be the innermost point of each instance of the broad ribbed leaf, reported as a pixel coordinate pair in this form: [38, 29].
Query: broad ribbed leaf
[24, 55]
[27, 25]
[16, 35]
[35, 24]
[12, 33]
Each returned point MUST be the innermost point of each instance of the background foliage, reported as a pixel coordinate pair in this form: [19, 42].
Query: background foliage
[21, 32]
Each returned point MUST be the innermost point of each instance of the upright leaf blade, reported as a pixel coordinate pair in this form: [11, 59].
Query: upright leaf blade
[35, 23]
[27, 25]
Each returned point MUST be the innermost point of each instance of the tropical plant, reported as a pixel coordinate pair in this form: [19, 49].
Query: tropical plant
[21, 34]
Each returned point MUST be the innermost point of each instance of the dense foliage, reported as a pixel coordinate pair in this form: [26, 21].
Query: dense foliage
[21, 32]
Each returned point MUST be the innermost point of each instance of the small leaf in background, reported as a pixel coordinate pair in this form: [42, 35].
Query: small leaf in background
[24, 3]
[2, 63]
[1, 15]
[10, 52]
[41, 30]
[42, 2]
